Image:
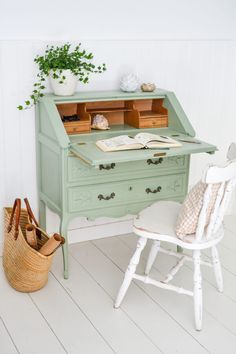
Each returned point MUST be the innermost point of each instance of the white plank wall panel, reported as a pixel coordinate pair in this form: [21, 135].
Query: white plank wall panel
[2, 154]
[202, 73]
[124, 19]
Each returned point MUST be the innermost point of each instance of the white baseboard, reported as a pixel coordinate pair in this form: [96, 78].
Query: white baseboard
[80, 229]
[94, 232]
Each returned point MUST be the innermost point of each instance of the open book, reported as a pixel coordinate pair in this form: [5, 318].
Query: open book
[139, 141]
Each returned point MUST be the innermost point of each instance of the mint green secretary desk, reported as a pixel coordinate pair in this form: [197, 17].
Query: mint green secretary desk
[75, 178]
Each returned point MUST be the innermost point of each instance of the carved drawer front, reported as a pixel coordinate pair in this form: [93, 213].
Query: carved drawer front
[106, 195]
[80, 171]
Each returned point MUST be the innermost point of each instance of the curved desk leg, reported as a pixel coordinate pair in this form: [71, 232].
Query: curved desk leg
[65, 251]
[42, 215]
[179, 249]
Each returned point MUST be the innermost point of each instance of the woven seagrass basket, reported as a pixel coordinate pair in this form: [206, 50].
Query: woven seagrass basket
[26, 269]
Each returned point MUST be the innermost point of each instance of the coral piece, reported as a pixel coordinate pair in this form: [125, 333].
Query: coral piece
[129, 83]
[100, 122]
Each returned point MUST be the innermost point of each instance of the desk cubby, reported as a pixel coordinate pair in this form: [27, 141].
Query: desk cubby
[83, 125]
[135, 113]
[147, 114]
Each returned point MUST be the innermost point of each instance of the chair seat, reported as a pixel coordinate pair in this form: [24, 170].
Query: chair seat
[158, 222]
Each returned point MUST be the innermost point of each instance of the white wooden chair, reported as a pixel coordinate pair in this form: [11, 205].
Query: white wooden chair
[161, 217]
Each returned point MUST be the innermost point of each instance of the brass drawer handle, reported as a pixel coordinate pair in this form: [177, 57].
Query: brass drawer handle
[107, 167]
[157, 190]
[156, 162]
[100, 196]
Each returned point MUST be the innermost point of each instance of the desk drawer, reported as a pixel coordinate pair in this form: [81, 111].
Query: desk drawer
[80, 172]
[111, 194]
[155, 122]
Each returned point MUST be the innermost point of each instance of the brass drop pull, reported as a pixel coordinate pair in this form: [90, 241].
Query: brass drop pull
[100, 196]
[157, 190]
[107, 167]
[155, 162]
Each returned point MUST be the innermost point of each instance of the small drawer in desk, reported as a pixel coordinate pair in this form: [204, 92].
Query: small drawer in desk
[79, 171]
[111, 194]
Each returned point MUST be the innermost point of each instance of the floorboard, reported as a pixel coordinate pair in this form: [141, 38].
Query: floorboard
[77, 315]
[28, 328]
[143, 310]
[69, 324]
[214, 336]
[117, 328]
[6, 343]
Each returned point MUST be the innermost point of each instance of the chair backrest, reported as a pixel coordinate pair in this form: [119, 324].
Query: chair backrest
[225, 176]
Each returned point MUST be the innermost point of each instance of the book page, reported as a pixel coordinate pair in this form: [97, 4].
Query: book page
[118, 141]
[141, 140]
[154, 140]
[144, 138]
[122, 142]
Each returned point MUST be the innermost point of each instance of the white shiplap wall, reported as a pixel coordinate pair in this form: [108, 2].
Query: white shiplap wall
[202, 73]
[106, 19]
[199, 68]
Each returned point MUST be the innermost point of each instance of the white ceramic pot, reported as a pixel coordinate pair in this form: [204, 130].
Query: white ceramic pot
[68, 87]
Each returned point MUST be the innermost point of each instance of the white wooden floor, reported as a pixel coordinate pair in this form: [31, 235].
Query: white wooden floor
[77, 315]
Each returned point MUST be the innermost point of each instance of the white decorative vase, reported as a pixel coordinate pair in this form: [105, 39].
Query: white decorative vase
[129, 83]
[68, 87]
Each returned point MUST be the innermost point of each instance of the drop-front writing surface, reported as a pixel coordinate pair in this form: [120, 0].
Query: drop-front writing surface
[75, 178]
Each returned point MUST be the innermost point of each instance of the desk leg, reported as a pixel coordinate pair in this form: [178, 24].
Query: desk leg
[42, 215]
[65, 251]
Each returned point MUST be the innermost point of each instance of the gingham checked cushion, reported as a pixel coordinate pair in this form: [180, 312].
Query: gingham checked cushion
[189, 213]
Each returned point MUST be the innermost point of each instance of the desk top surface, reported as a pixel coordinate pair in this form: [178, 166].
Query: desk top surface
[108, 95]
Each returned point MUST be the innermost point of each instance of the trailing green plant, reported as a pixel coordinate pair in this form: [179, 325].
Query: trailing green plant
[54, 61]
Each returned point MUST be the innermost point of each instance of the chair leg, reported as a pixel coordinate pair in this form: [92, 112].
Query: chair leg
[130, 271]
[197, 292]
[152, 255]
[217, 268]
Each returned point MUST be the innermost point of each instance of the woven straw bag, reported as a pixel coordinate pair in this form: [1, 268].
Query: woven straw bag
[26, 269]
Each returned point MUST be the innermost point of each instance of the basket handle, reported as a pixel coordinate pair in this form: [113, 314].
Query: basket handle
[32, 218]
[30, 212]
[16, 209]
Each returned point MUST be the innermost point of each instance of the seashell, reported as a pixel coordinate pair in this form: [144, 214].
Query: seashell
[129, 83]
[148, 87]
[100, 122]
